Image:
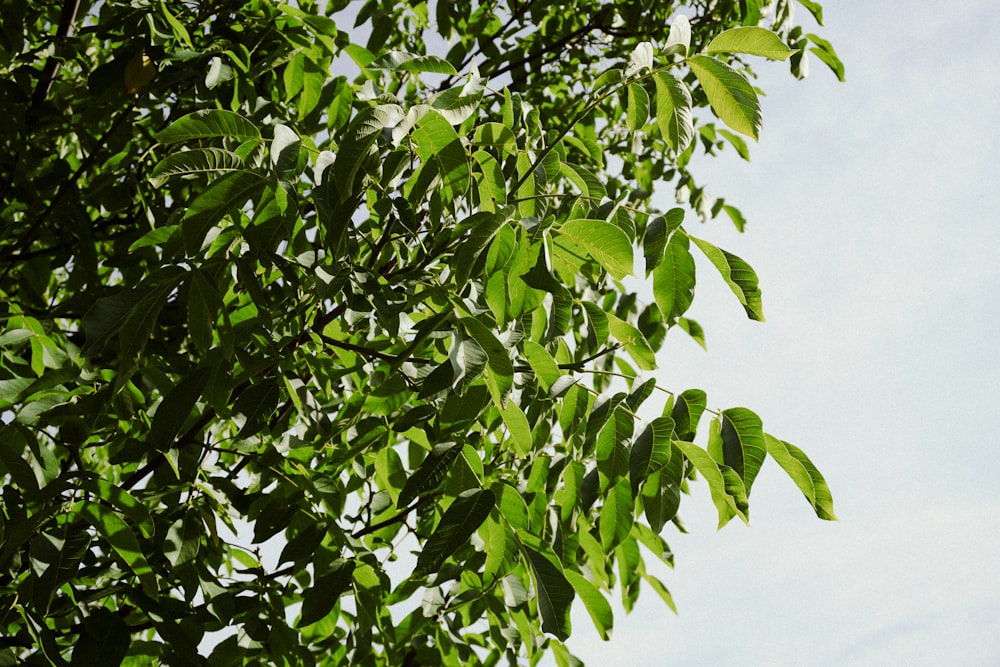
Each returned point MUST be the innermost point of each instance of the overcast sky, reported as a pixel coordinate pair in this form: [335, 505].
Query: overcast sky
[875, 233]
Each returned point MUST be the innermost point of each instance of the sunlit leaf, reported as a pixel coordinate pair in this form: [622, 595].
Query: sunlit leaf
[732, 98]
[751, 40]
[739, 275]
[603, 241]
[209, 123]
[673, 111]
[597, 605]
[805, 475]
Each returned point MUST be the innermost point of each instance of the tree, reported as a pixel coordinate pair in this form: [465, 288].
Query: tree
[356, 283]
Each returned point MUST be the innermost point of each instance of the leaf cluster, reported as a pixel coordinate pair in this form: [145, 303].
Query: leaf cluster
[319, 339]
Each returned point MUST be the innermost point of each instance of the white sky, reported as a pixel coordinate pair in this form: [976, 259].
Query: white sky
[874, 230]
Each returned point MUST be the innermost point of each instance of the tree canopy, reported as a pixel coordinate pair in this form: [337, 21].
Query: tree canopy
[322, 330]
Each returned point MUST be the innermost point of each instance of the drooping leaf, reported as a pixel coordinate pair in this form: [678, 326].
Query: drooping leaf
[674, 279]
[555, 594]
[651, 451]
[597, 605]
[805, 475]
[743, 446]
[457, 524]
[544, 366]
[751, 40]
[739, 275]
[724, 503]
[824, 51]
[688, 408]
[732, 97]
[616, 515]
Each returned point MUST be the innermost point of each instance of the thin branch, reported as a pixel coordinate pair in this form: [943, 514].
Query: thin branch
[399, 518]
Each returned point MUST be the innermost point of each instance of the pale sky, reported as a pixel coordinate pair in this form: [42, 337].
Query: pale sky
[874, 231]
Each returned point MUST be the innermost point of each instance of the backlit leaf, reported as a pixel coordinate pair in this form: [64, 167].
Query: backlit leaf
[732, 97]
[751, 40]
[603, 241]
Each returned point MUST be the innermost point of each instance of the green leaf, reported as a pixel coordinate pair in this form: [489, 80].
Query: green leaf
[603, 241]
[483, 226]
[326, 590]
[257, 403]
[751, 40]
[616, 515]
[501, 377]
[741, 147]
[824, 51]
[194, 161]
[732, 98]
[739, 275]
[674, 279]
[805, 475]
[637, 107]
[183, 539]
[208, 123]
[688, 408]
[673, 111]
[112, 527]
[661, 590]
[154, 237]
[724, 503]
[651, 451]
[555, 594]
[634, 342]
[123, 501]
[358, 140]
[438, 145]
[284, 149]
[175, 408]
[743, 446]
[203, 306]
[105, 639]
[409, 62]
[225, 194]
[138, 325]
[518, 426]
[106, 316]
[13, 452]
[430, 472]
[544, 366]
[597, 605]
[459, 521]
[814, 8]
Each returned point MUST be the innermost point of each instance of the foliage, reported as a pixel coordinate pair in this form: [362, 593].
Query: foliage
[319, 335]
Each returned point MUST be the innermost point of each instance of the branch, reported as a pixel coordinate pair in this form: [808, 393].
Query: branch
[425, 500]
[48, 75]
